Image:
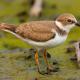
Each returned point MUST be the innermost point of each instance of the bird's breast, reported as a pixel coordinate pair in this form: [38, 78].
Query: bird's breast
[57, 40]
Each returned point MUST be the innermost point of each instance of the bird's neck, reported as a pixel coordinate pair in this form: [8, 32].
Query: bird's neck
[65, 28]
[59, 29]
[5, 26]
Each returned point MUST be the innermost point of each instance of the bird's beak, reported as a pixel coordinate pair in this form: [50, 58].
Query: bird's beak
[77, 24]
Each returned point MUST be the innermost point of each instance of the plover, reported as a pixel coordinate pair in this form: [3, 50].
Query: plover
[43, 34]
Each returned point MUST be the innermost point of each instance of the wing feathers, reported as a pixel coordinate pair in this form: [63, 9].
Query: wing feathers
[36, 30]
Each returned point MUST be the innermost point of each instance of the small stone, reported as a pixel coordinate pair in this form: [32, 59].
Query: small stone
[73, 58]
[29, 57]
[56, 69]
[70, 50]
[48, 55]
[55, 62]
[32, 50]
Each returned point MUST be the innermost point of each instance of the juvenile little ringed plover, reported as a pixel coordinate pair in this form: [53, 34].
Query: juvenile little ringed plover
[43, 34]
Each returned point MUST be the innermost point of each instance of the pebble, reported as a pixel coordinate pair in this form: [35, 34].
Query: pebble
[48, 55]
[55, 62]
[73, 58]
[56, 69]
[29, 57]
[70, 50]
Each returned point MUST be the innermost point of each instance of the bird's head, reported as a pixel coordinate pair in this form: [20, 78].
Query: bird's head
[67, 21]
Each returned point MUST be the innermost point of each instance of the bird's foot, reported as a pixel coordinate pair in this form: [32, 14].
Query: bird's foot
[42, 72]
[50, 69]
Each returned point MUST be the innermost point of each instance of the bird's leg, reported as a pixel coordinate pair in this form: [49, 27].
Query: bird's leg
[37, 61]
[45, 58]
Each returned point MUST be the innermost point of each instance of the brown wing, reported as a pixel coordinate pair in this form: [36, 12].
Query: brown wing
[36, 30]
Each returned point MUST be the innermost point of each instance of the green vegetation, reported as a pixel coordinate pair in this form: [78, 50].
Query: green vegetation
[15, 66]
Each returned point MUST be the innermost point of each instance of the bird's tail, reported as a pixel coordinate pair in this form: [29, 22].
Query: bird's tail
[10, 27]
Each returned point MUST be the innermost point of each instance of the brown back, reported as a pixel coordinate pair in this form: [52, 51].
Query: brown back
[37, 30]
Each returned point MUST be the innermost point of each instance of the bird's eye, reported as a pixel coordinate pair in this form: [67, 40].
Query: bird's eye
[69, 20]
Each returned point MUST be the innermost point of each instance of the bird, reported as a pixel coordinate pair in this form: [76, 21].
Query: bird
[42, 35]
[36, 8]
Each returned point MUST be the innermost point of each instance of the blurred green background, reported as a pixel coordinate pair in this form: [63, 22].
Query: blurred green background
[9, 9]
[13, 65]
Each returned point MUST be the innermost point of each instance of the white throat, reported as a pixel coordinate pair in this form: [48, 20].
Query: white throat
[66, 28]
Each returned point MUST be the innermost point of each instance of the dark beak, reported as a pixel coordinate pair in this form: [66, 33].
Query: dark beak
[77, 23]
